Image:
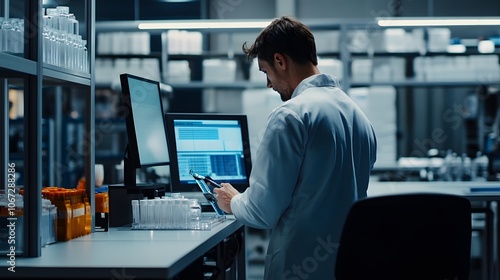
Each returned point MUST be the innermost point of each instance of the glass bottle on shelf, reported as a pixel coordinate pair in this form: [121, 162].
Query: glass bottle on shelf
[46, 42]
[78, 53]
[7, 30]
[62, 34]
[70, 51]
[53, 57]
[85, 58]
[18, 35]
[74, 53]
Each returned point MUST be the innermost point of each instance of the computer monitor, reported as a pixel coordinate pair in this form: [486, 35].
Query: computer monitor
[214, 145]
[147, 139]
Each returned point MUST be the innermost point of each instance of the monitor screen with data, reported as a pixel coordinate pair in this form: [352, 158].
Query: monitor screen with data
[214, 145]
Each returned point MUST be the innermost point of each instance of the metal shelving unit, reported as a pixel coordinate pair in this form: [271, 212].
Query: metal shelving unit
[29, 73]
[12, 63]
[59, 74]
[344, 54]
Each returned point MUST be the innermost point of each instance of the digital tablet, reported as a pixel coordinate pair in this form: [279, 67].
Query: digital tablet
[206, 190]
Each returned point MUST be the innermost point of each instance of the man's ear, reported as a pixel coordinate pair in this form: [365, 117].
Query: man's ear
[280, 61]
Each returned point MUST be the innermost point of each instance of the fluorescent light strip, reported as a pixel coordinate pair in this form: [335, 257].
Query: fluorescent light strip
[197, 24]
[438, 22]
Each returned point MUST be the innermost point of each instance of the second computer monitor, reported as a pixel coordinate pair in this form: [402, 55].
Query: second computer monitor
[215, 145]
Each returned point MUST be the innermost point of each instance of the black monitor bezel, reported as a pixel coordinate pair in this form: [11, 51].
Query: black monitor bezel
[133, 148]
[175, 182]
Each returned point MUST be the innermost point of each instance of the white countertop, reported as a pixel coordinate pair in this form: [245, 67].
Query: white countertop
[121, 252]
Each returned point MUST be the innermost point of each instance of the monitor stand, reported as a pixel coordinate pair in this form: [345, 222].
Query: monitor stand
[130, 173]
[129, 170]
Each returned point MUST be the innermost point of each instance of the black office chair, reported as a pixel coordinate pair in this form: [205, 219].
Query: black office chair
[409, 236]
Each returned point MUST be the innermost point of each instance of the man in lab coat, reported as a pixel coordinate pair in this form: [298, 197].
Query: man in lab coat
[313, 162]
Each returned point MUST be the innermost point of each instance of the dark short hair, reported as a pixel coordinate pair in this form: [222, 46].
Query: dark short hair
[285, 35]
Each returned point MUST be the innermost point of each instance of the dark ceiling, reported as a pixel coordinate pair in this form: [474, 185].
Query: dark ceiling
[147, 10]
[107, 10]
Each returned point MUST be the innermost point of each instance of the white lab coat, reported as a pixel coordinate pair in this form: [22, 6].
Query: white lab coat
[313, 162]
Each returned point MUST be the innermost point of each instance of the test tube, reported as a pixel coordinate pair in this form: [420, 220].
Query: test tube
[151, 214]
[135, 214]
[163, 215]
[144, 213]
[157, 218]
[187, 213]
[169, 213]
[195, 210]
[184, 213]
[176, 211]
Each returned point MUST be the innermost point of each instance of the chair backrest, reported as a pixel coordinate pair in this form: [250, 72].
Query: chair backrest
[408, 236]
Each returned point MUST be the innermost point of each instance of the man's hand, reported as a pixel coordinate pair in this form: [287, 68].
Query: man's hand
[224, 196]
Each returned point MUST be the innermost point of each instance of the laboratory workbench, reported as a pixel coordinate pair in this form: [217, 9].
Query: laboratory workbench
[122, 253]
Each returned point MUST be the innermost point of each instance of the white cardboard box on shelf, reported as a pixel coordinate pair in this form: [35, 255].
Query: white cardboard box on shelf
[109, 70]
[123, 43]
[178, 71]
[327, 41]
[184, 42]
[362, 69]
[438, 39]
[219, 71]
[395, 40]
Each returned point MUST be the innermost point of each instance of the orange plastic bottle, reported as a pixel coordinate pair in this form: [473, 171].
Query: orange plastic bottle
[71, 198]
[88, 213]
[101, 203]
[78, 214]
[106, 203]
[81, 184]
[64, 215]
[69, 223]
